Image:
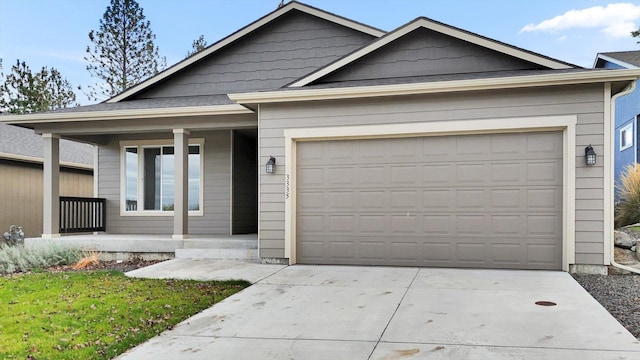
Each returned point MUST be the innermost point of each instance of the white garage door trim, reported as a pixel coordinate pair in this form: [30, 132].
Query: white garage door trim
[565, 123]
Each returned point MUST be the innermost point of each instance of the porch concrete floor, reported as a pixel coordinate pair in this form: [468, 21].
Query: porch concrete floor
[152, 243]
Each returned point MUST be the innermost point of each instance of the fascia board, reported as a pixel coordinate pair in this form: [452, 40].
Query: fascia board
[426, 23]
[615, 61]
[36, 160]
[184, 111]
[338, 19]
[355, 55]
[241, 33]
[493, 45]
[435, 87]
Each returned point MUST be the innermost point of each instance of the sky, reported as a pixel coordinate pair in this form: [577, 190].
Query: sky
[54, 33]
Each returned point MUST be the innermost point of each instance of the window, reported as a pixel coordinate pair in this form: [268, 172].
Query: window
[626, 137]
[148, 178]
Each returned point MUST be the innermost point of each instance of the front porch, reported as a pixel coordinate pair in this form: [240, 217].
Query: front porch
[159, 246]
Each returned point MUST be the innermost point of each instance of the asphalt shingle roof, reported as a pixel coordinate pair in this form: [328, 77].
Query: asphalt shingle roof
[435, 78]
[631, 57]
[20, 141]
[157, 103]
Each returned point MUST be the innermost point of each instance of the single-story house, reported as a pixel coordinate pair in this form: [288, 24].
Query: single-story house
[627, 111]
[340, 143]
[21, 176]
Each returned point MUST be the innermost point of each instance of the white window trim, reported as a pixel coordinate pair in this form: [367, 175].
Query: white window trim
[564, 123]
[140, 144]
[627, 128]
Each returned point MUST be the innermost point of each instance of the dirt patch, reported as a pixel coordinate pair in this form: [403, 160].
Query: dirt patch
[117, 265]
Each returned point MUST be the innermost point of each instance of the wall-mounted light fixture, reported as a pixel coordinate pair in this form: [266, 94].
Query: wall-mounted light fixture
[271, 165]
[589, 156]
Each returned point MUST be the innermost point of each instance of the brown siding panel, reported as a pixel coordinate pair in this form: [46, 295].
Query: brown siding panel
[21, 190]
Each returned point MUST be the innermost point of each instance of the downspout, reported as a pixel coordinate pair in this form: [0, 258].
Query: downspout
[629, 90]
[635, 138]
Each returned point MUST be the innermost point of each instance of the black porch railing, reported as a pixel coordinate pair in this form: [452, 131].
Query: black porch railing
[80, 214]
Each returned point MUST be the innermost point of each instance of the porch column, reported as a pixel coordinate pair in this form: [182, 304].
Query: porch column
[181, 184]
[51, 191]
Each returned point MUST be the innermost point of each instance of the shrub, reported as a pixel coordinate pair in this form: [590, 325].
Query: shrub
[627, 210]
[39, 256]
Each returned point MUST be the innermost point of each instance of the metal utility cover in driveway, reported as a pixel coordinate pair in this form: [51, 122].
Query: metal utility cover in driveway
[481, 201]
[382, 313]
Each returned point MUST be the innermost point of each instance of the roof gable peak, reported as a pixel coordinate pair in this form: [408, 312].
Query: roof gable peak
[625, 59]
[426, 23]
[278, 13]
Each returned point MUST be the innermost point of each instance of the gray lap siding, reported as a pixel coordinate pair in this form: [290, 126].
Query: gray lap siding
[585, 101]
[286, 50]
[217, 187]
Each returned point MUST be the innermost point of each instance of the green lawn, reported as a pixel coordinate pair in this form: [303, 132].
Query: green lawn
[94, 315]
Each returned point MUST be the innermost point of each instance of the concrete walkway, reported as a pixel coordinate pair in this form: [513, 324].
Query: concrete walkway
[207, 269]
[340, 312]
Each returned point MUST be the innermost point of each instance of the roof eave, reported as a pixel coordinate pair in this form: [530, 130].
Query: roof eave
[37, 160]
[184, 111]
[436, 87]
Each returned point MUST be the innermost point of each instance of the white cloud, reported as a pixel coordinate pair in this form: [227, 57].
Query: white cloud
[614, 20]
[620, 30]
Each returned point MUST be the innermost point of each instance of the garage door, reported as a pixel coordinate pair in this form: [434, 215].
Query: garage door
[479, 201]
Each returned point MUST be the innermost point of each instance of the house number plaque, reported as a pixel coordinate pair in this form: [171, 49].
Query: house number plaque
[286, 187]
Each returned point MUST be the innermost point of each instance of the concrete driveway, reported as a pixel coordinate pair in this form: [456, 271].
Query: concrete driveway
[344, 312]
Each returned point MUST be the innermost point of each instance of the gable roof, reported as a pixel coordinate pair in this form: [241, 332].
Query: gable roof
[423, 22]
[293, 5]
[625, 59]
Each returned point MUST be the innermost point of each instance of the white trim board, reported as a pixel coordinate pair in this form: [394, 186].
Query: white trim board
[138, 144]
[511, 82]
[37, 160]
[440, 28]
[613, 60]
[154, 113]
[608, 178]
[609, 109]
[635, 138]
[231, 183]
[566, 124]
[627, 129]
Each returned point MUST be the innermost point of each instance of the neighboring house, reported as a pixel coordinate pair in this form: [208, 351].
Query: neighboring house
[627, 111]
[425, 146]
[21, 176]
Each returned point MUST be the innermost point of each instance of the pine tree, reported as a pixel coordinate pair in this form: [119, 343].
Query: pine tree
[123, 52]
[24, 92]
[197, 45]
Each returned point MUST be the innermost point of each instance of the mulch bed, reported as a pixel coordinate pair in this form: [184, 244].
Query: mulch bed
[117, 265]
